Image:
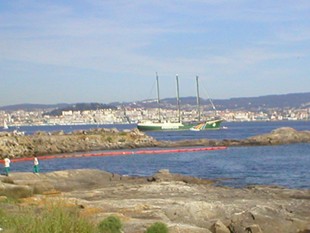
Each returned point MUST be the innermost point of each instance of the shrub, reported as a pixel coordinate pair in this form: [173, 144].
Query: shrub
[109, 139]
[157, 227]
[111, 224]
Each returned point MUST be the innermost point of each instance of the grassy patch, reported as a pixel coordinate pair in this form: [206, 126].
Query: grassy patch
[111, 224]
[51, 219]
[109, 139]
[157, 227]
[56, 217]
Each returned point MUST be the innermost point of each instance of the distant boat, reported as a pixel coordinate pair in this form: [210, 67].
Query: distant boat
[179, 125]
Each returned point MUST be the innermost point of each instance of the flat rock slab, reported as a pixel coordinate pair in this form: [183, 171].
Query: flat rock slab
[183, 203]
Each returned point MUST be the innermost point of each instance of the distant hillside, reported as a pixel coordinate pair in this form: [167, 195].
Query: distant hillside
[294, 100]
[32, 107]
[297, 100]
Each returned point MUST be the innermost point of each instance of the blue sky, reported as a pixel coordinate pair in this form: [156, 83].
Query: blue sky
[62, 51]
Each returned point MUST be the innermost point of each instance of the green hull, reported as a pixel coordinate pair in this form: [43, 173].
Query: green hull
[166, 126]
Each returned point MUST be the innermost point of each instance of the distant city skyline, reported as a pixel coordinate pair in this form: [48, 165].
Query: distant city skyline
[109, 51]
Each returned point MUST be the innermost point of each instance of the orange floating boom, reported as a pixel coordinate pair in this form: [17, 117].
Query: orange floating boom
[119, 153]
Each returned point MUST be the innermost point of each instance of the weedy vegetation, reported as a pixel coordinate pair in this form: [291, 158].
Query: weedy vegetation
[54, 218]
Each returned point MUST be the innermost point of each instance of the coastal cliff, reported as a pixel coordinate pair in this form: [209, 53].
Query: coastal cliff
[44, 143]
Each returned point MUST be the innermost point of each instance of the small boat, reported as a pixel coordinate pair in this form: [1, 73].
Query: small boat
[179, 125]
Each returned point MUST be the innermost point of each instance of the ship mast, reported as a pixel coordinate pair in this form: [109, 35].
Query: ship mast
[178, 99]
[198, 99]
[158, 99]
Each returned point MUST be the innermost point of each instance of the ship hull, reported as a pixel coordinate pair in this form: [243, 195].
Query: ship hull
[169, 126]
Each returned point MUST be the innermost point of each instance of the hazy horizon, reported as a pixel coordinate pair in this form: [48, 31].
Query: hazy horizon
[107, 103]
[109, 51]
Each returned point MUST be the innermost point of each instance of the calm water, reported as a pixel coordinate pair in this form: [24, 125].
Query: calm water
[286, 165]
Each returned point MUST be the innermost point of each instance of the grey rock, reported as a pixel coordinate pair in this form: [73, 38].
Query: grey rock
[189, 206]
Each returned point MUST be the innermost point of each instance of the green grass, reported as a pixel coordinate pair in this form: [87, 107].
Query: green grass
[53, 218]
[111, 224]
[109, 139]
[157, 227]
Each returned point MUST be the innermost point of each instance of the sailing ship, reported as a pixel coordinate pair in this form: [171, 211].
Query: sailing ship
[179, 125]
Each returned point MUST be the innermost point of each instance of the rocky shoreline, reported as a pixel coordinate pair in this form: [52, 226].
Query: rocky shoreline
[185, 204]
[44, 143]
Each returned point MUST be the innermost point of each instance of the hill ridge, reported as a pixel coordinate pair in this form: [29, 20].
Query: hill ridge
[290, 100]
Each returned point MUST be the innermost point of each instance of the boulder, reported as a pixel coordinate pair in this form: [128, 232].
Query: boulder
[165, 175]
[284, 135]
[219, 227]
[253, 229]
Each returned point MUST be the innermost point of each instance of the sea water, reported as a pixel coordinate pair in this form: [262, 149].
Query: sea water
[283, 165]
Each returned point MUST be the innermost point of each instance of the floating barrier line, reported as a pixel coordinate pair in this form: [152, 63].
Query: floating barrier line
[120, 153]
